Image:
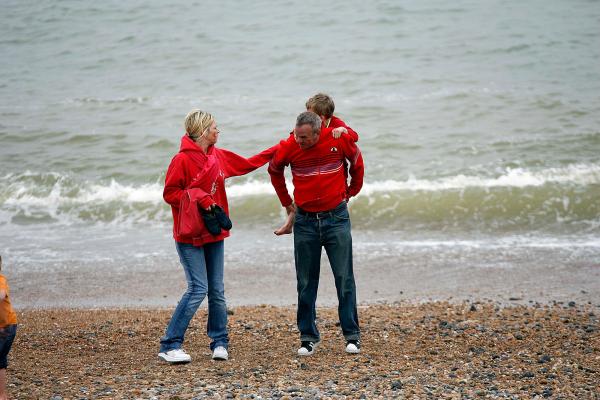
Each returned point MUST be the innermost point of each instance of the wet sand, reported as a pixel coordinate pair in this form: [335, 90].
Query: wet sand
[378, 280]
[430, 350]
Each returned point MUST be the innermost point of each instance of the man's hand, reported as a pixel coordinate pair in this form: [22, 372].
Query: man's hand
[287, 227]
[337, 132]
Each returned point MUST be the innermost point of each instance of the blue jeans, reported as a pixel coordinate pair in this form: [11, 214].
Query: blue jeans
[203, 268]
[7, 336]
[330, 230]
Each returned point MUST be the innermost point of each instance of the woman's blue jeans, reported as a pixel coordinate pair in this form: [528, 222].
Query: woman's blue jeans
[203, 268]
[330, 230]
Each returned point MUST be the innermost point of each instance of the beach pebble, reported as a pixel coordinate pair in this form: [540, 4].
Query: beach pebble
[544, 359]
[396, 385]
[404, 354]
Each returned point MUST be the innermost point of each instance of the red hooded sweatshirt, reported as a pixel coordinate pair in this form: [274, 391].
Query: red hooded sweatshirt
[317, 172]
[201, 177]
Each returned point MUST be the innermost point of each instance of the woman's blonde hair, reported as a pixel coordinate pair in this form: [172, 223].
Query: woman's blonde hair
[197, 123]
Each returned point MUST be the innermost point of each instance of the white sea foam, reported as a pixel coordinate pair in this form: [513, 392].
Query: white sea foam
[114, 191]
[577, 174]
[509, 242]
[62, 191]
[252, 188]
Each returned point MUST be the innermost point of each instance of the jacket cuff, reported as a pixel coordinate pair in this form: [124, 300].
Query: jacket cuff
[206, 201]
[286, 201]
[201, 197]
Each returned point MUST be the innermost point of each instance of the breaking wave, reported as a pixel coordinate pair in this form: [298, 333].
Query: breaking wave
[517, 198]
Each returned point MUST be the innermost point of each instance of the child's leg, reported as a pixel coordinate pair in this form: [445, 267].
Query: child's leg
[7, 335]
[3, 384]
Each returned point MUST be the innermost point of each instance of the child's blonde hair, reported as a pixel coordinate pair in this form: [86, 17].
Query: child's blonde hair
[197, 123]
[321, 104]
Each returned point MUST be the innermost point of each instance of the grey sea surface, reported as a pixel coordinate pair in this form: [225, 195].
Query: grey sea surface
[478, 121]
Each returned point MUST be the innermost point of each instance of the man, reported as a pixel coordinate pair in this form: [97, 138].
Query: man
[320, 192]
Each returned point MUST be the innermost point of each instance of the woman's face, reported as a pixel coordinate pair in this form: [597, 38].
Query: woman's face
[212, 134]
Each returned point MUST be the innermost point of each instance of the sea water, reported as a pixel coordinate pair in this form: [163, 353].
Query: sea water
[479, 125]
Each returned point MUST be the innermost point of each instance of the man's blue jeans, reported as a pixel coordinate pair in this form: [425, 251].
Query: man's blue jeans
[312, 233]
[203, 268]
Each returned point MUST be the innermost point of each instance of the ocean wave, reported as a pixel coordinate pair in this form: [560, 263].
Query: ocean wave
[516, 198]
[109, 101]
[576, 174]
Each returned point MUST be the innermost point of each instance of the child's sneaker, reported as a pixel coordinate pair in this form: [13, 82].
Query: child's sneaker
[307, 348]
[353, 346]
[210, 221]
[220, 353]
[175, 356]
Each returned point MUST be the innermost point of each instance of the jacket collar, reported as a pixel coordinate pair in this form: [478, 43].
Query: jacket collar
[189, 146]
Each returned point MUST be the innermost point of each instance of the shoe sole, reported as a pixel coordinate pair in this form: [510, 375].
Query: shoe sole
[174, 361]
[312, 352]
[220, 358]
[357, 351]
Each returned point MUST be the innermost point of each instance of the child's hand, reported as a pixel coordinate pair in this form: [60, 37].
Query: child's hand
[337, 132]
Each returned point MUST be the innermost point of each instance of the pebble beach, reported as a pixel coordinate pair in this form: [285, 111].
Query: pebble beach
[467, 350]
[476, 234]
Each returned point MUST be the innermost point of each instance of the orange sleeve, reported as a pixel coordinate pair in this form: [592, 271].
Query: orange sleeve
[7, 314]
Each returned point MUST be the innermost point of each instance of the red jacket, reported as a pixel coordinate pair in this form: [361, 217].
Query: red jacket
[317, 173]
[335, 122]
[201, 177]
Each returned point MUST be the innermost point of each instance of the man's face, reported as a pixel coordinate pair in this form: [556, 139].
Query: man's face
[305, 137]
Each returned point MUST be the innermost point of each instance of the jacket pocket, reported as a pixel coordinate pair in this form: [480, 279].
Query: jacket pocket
[190, 222]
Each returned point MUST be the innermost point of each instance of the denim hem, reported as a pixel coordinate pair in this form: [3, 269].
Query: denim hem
[222, 344]
[162, 350]
[352, 336]
[308, 338]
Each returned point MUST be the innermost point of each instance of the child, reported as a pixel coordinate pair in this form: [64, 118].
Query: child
[322, 105]
[8, 329]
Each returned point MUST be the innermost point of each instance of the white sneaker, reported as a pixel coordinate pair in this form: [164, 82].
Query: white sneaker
[307, 347]
[220, 353]
[353, 346]
[175, 356]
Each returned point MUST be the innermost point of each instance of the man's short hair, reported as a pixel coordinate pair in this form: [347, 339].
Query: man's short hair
[321, 104]
[310, 118]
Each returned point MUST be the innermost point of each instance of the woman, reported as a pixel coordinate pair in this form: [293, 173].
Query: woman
[196, 174]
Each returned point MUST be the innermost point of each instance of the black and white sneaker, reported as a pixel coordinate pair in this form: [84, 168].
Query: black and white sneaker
[307, 348]
[353, 346]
